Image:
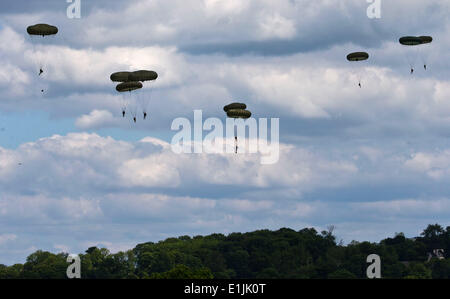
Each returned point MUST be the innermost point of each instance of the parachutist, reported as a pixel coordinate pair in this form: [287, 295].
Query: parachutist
[42, 90]
[40, 72]
[145, 115]
[123, 113]
[134, 118]
[359, 84]
[412, 71]
[425, 66]
[236, 143]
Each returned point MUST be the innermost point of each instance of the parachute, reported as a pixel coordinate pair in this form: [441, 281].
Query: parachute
[358, 56]
[40, 34]
[239, 113]
[236, 111]
[132, 81]
[232, 106]
[415, 41]
[410, 41]
[128, 86]
[42, 30]
[143, 76]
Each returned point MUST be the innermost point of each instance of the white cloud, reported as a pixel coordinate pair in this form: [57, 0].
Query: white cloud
[434, 165]
[95, 119]
[406, 207]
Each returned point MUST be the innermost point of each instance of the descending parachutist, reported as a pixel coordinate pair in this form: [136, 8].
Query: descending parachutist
[425, 66]
[123, 113]
[412, 71]
[134, 118]
[40, 72]
[145, 115]
[236, 143]
[359, 84]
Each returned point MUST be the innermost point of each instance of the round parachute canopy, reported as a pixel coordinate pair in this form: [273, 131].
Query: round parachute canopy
[120, 77]
[239, 113]
[143, 76]
[42, 30]
[128, 86]
[410, 41]
[426, 39]
[235, 106]
[357, 56]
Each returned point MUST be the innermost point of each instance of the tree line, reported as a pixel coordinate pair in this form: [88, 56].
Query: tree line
[263, 254]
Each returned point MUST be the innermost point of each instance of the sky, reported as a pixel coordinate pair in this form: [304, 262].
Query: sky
[372, 161]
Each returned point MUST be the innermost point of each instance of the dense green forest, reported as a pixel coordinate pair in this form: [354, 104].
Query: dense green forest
[256, 255]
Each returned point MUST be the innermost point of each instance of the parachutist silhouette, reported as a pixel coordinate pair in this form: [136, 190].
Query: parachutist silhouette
[425, 66]
[42, 90]
[134, 118]
[40, 72]
[236, 143]
[412, 71]
[123, 113]
[145, 115]
[359, 84]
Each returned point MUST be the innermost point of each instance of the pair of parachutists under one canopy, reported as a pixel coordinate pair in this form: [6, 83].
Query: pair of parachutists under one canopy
[129, 83]
[409, 41]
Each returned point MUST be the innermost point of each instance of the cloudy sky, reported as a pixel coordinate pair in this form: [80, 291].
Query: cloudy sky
[372, 161]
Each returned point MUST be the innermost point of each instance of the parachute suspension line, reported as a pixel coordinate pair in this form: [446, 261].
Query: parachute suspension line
[359, 75]
[412, 53]
[358, 72]
[142, 98]
[422, 56]
[133, 107]
[38, 64]
[43, 59]
[34, 56]
[124, 104]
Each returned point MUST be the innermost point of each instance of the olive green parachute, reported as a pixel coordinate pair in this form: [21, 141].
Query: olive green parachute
[426, 39]
[234, 106]
[143, 76]
[410, 41]
[415, 41]
[121, 77]
[42, 30]
[357, 56]
[239, 113]
[128, 86]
